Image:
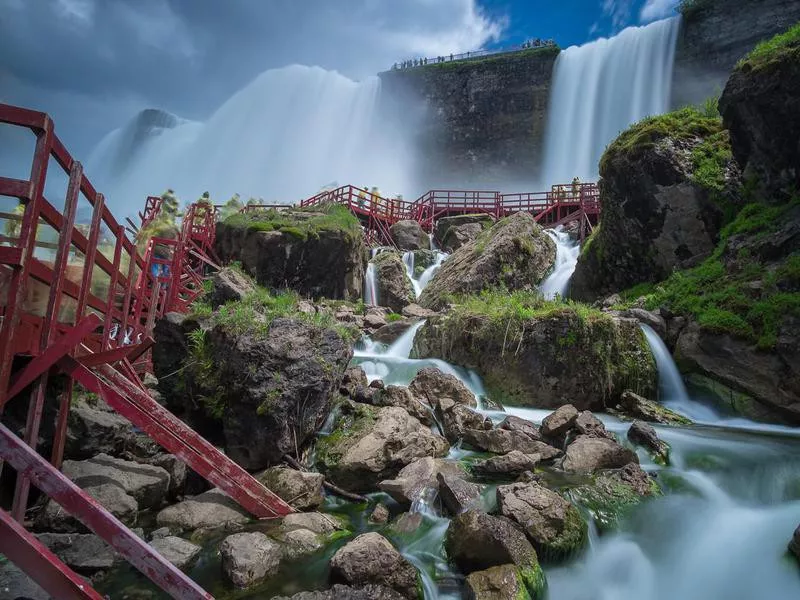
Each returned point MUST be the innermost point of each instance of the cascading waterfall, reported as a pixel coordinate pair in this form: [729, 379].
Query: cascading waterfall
[284, 136]
[425, 277]
[601, 88]
[670, 383]
[567, 251]
[371, 285]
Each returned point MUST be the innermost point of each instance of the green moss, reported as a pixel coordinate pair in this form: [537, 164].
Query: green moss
[684, 124]
[710, 159]
[204, 370]
[534, 581]
[607, 498]
[572, 539]
[353, 421]
[782, 47]
[392, 317]
[268, 403]
[301, 224]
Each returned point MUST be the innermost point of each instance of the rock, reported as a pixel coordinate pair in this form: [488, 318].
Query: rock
[365, 395]
[554, 526]
[374, 322]
[371, 444]
[380, 514]
[556, 425]
[587, 454]
[530, 429]
[171, 334]
[757, 384]
[110, 495]
[92, 430]
[409, 235]
[318, 523]
[650, 318]
[476, 541]
[636, 407]
[515, 254]
[229, 284]
[415, 311]
[83, 552]
[209, 510]
[161, 532]
[503, 441]
[610, 494]
[415, 478]
[15, 584]
[588, 424]
[395, 289]
[760, 106]
[354, 377]
[395, 395]
[552, 358]
[301, 542]
[645, 435]
[301, 490]
[407, 523]
[377, 384]
[513, 463]
[147, 484]
[273, 390]
[456, 494]
[656, 216]
[345, 592]
[248, 558]
[612, 300]
[390, 332]
[176, 469]
[178, 551]
[453, 232]
[457, 419]
[371, 559]
[504, 582]
[794, 544]
[441, 390]
[327, 261]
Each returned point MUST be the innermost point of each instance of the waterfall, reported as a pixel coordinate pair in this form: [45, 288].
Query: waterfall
[281, 138]
[601, 88]
[408, 261]
[425, 277]
[567, 251]
[371, 285]
[670, 383]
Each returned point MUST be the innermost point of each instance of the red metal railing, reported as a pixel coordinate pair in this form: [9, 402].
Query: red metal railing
[91, 319]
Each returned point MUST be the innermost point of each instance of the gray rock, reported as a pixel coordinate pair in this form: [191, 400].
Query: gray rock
[651, 318]
[555, 527]
[301, 542]
[498, 583]
[645, 435]
[636, 407]
[83, 552]
[513, 463]
[476, 541]
[161, 532]
[345, 592]
[408, 235]
[15, 584]
[513, 423]
[380, 514]
[177, 472]
[110, 495]
[441, 390]
[557, 424]
[395, 395]
[92, 430]
[313, 521]
[209, 510]
[794, 544]
[395, 289]
[178, 551]
[415, 478]
[303, 491]
[503, 441]
[415, 311]
[458, 495]
[588, 454]
[248, 558]
[391, 331]
[457, 419]
[229, 285]
[354, 377]
[453, 232]
[588, 424]
[371, 559]
[148, 484]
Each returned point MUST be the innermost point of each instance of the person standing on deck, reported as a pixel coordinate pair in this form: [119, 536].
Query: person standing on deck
[576, 189]
[362, 198]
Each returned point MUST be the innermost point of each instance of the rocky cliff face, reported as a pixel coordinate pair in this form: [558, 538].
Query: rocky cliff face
[715, 35]
[483, 120]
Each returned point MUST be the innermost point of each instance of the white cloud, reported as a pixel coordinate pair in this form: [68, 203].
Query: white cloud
[654, 10]
[78, 12]
[619, 11]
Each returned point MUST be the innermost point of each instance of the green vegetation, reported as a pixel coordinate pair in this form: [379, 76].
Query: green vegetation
[608, 498]
[572, 539]
[689, 8]
[392, 317]
[782, 47]
[301, 224]
[201, 363]
[534, 580]
[684, 124]
[354, 420]
[739, 296]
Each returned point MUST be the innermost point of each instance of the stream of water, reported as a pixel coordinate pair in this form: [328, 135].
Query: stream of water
[567, 251]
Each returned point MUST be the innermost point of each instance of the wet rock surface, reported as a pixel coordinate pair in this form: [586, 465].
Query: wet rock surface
[209, 510]
[513, 463]
[248, 558]
[587, 454]
[301, 490]
[178, 551]
[395, 290]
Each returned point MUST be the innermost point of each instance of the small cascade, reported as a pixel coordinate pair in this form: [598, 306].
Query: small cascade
[408, 261]
[371, 285]
[425, 277]
[670, 383]
[567, 251]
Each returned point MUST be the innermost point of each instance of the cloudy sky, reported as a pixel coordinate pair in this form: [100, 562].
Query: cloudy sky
[93, 63]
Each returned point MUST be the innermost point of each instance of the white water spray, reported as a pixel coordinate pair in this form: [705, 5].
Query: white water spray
[425, 277]
[371, 285]
[567, 251]
[601, 88]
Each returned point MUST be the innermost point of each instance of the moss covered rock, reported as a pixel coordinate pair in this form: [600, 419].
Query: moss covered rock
[507, 582]
[515, 253]
[532, 352]
[666, 184]
[395, 289]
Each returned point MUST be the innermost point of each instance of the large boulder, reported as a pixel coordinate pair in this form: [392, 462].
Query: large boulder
[395, 395]
[457, 494]
[761, 385]
[409, 235]
[314, 253]
[504, 582]
[634, 406]
[371, 559]
[229, 285]
[458, 419]
[556, 356]
[371, 444]
[453, 232]
[110, 495]
[248, 558]
[414, 479]
[85, 553]
[660, 212]
[516, 253]
[512, 464]
[441, 390]
[761, 108]
[587, 454]
[794, 544]
[301, 490]
[271, 390]
[209, 510]
[181, 553]
[503, 441]
[93, 428]
[395, 289]
[645, 435]
[554, 526]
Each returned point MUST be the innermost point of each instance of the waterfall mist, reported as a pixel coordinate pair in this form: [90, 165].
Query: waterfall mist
[282, 138]
[601, 88]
